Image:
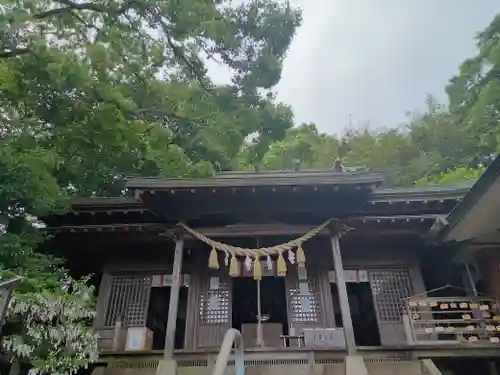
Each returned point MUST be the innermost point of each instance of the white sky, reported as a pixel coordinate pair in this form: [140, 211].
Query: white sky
[374, 60]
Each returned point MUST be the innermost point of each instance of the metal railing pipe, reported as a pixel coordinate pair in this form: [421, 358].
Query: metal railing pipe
[232, 337]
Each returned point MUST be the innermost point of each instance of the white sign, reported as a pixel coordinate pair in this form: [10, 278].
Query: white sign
[351, 276]
[304, 288]
[165, 280]
[305, 303]
[134, 339]
[214, 283]
[162, 280]
[213, 303]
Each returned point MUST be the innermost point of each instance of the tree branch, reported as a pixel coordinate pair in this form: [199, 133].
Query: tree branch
[84, 6]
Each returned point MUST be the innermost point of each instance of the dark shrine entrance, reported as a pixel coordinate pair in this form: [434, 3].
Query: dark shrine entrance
[364, 318]
[158, 315]
[273, 309]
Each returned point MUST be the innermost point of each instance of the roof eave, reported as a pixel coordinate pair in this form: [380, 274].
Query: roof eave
[256, 180]
[470, 199]
[420, 194]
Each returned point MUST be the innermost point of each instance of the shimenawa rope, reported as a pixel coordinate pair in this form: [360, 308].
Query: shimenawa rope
[234, 251]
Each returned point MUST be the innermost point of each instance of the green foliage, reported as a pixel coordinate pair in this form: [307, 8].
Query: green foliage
[429, 144]
[92, 92]
[474, 93]
[53, 331]
[304, 143]
[453, 177]
[137, 38]
[389, 150]
[434, 146]
[24, 173]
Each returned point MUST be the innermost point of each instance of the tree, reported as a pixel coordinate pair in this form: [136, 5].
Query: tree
[48, 327]
[91, 92]
[439, 142]
[53, 331]
[474, 94]
[171, 39]
[386, 150]
[453, 177]
[302, 144]
[428, 145]
[239, 116]
[140, 37]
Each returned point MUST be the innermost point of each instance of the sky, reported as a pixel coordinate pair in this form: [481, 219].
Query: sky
[372, 61]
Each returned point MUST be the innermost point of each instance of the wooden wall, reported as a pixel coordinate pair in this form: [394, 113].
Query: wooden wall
[125, 289]
[394, 274]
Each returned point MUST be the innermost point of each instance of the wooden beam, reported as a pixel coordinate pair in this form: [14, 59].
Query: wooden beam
[345, 310]
[174, 298]
[280, 229]
[185, 208]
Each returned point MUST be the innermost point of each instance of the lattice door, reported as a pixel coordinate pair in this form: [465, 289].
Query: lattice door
[304, 301]
[214, 305]
[128, 298]
[389, 288]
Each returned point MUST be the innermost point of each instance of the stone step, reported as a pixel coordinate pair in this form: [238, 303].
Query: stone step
[394, 368]
[272, 367]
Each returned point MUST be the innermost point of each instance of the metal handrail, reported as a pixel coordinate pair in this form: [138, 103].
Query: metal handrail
[10, 282]
[6, 289]
[232, 337]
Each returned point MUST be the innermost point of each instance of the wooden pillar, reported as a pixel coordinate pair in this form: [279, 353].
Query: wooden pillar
[345, 310]
[174, 298]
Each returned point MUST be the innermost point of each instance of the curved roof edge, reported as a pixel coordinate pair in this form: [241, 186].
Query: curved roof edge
[256, 179]
[381, 194]
[470, 200]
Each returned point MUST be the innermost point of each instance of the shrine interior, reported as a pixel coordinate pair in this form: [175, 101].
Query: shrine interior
[158, 315]
[273, 305]
[363, 315]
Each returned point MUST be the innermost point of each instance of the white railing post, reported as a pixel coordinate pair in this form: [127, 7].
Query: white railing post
[232, 336]
[410, 339]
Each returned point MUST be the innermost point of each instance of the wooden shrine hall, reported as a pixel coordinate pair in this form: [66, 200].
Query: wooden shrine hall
[311, 267]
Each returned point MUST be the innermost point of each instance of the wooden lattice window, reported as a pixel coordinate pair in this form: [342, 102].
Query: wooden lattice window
[390, 287]
[304, 301]
[214, 304]
[129, 299]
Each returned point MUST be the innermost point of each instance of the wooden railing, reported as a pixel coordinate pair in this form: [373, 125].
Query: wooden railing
[232, 337]
[452, 320]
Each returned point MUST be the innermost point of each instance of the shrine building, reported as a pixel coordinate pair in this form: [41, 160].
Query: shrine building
[312, 267]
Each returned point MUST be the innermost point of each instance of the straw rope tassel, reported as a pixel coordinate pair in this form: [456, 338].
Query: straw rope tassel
[301, 256]
[213, 260]
[257, 268]
[234, 266]
[281, 265]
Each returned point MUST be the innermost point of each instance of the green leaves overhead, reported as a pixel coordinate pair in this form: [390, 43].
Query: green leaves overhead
[475, 92]
[454, 177]
[92, 92]
[305, 144]
[143, 37]
[423, 150]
